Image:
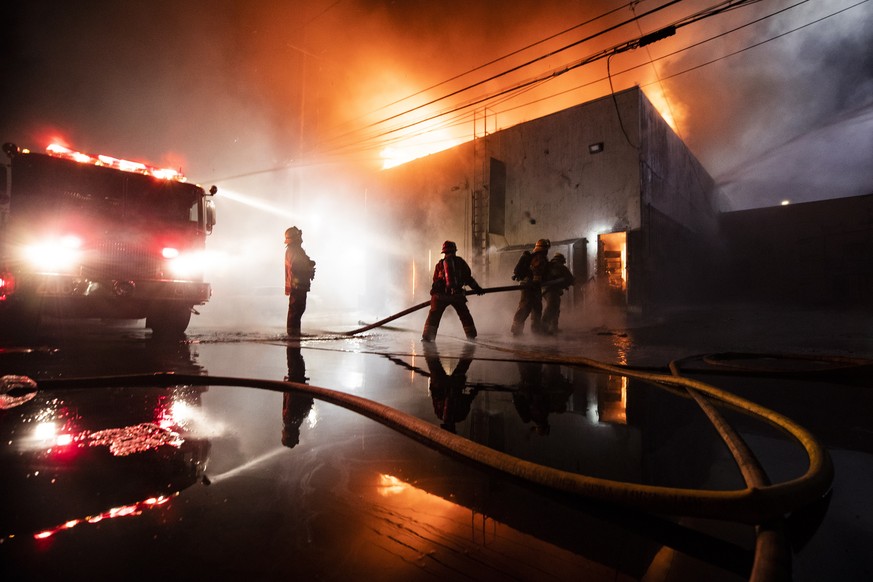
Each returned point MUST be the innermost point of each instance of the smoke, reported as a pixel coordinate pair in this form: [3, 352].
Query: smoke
[777, 121]
[273, 101]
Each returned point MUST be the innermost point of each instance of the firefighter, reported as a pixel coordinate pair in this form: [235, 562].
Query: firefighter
[450, 276]
[299, 272]
[530, 272]
[558, 278]
[295, 406]
[451, 397]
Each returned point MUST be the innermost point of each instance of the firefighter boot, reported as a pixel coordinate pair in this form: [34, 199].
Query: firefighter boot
[429, 332]
[470, 331]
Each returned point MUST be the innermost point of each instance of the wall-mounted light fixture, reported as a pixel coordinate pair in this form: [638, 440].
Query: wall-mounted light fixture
[595, 148]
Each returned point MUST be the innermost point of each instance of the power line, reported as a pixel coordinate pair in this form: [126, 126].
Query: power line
[641, 41]
[508, 55]
[378, 140]
[522, 65]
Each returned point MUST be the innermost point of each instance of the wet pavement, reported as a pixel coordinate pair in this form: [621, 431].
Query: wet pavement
[202, 480]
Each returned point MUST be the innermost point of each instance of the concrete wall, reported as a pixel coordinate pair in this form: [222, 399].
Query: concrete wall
[552, 177]
[551, 186]
[672, 254]
[814, 253]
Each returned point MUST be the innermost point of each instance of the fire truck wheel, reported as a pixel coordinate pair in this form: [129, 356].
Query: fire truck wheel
[168, 320]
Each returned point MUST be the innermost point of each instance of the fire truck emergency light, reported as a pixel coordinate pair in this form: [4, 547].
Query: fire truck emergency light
[60, 151]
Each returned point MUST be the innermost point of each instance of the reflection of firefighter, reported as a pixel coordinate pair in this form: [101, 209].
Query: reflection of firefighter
[559, 278]
[542, 390]
[531, 272]
[450, 276]
[295, 406]
[299, 272]
[451, 397]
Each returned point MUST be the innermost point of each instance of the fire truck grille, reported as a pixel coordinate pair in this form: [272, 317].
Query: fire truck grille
[119, 260]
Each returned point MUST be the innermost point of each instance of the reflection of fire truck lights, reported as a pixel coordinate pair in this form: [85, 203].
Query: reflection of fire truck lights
[7, 286]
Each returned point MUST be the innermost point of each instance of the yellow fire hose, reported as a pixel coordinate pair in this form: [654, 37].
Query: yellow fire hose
[756, 504]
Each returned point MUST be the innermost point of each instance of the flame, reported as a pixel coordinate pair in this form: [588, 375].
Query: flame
[418, 146]
[671, 111]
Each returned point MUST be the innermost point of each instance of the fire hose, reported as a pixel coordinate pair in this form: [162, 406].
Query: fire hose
[761, 503]
[756, 504]
[424, 304]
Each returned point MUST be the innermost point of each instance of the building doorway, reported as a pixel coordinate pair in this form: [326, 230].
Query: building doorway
[612, 266]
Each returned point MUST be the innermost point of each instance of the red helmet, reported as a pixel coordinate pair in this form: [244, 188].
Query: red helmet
[542, 245]
[449, 247]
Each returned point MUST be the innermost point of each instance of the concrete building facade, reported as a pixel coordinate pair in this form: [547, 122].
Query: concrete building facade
[608, 182]
[816, 254]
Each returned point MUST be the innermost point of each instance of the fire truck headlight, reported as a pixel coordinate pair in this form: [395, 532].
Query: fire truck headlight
[55, 254]
[186, 265]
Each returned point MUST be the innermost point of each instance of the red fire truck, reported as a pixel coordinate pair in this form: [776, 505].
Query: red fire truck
[87, 236]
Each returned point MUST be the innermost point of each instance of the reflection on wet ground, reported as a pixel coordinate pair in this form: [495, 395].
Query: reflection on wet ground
[204, 480]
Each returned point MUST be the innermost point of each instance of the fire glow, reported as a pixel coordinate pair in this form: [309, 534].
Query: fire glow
[408, 149]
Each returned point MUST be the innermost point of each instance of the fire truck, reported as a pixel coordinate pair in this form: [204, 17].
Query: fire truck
[92, 236]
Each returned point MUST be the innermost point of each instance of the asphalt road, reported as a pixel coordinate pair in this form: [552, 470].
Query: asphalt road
[202, 480]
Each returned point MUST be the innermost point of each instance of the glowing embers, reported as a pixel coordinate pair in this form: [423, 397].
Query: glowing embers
[135, 439]
[123, 511]
[121, 442]
[60, 151]
[55, 431]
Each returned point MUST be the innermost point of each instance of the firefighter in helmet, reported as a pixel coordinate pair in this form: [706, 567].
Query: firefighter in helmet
[295, 405]
[558, 278]
[299, 272]
[450, 276]
[530, 272]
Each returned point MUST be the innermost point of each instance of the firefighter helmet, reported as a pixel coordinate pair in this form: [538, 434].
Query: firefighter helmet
[542, 245]
[559, 258]
[449, 247]
[293, 234]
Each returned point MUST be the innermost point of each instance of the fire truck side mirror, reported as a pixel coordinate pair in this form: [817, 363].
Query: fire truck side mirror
[210, 215]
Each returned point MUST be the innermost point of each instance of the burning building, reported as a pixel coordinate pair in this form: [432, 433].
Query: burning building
[607, 181]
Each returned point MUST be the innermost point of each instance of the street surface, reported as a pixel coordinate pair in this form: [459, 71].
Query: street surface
[210, 480]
